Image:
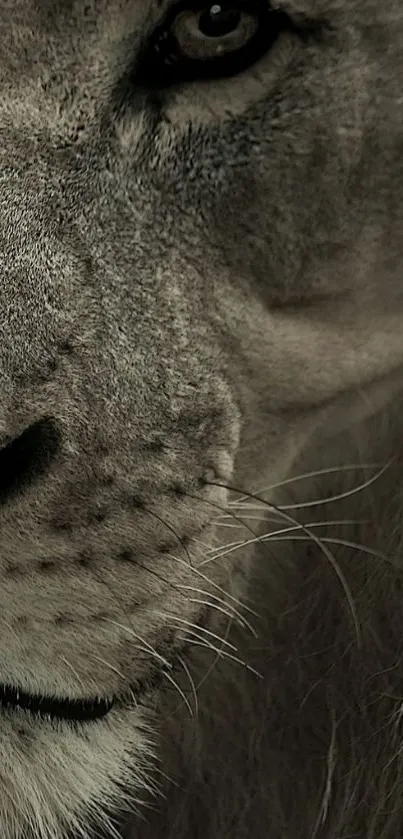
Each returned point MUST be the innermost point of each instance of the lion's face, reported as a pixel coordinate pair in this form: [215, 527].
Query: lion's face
[197, 268]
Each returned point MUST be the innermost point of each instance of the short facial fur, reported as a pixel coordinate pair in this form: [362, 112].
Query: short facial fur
[200, 286]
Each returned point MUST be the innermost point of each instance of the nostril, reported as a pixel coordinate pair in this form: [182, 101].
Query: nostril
[27, 457]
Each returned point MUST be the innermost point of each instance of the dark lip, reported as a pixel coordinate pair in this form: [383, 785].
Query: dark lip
[80, 710]
[76, 710]
[91, 710]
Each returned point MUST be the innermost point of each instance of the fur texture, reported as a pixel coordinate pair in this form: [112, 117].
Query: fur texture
[200, 302]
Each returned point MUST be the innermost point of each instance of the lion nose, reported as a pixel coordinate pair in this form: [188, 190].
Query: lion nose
[25, 458]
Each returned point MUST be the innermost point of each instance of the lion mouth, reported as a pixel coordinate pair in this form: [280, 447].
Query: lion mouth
[76, 710]
[90, 710]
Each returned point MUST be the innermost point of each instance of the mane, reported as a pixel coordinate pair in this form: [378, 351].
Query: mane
[312, 747]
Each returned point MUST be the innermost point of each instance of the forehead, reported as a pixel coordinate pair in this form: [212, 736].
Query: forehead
[35, 29]
[65, 51]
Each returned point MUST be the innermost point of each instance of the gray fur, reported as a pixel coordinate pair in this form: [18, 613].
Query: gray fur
[203, 287]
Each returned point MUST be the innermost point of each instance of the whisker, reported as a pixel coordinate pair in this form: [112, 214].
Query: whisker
[316, 474]
[215, 660]
[265, 537]
[147, 647]
[223, 509]
[180, 691]
[204, 544]
[226, 524]
[243, 505]
[63, 658]
[327, 553]
[118, 673]
[340, 497]
[344, 543]
[216, 586]
[276, 520]
[195, 627]
[181, 542]
[135, 562]
[191, 682]
[223, 654]
[233, 613]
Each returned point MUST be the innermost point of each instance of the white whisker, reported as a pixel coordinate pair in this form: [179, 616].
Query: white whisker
[326, 499]
[74, 672]
[192, 684]
[316, 474]
[329, 556]
[232, 615]
[179, 690]
[146, 648]
[215, 660]
[266, 537]
[215, 585]
[203, 544]
[344, 543]
[115, 670]
[195, 627]
[234, 612]
[223, 654]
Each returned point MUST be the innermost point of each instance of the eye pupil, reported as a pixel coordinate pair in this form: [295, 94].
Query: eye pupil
[217, 21]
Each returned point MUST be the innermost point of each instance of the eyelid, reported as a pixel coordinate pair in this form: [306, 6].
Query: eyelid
[159, 69]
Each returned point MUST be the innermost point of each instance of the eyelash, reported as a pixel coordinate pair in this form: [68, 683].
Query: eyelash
[162, 65]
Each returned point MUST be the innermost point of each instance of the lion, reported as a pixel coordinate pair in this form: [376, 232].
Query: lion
[201, 446]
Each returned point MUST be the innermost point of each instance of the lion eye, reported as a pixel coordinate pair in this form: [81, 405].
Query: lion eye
[213, 32]
[208, 40]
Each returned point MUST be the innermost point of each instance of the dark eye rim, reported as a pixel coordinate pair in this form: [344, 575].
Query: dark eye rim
[161, 64]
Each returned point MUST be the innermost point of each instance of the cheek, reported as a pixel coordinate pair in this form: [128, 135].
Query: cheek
[287, 221]
[268, 245]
